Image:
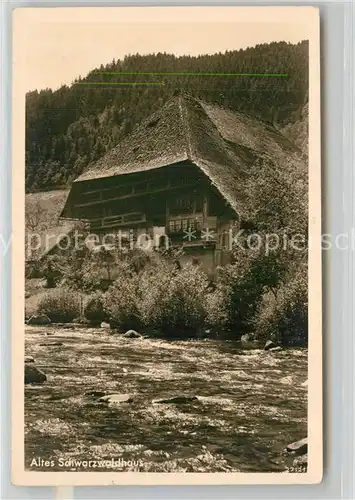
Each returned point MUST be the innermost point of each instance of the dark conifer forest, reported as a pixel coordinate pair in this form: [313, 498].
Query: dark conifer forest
[69, 128]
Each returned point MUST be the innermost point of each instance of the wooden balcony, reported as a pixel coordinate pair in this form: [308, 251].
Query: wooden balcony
[113, 221]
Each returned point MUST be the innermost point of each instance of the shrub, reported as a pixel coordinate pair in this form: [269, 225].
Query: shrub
[34, 269]
[173, 300]
[138, 260]
[121, 302]
[90, 269]
[61, 306]
[234, 301]
[240, 287]
[52, 271]
[94, 310]
[218, 309]
[283, 315]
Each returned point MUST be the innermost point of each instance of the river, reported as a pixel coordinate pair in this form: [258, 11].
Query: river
[249, 404]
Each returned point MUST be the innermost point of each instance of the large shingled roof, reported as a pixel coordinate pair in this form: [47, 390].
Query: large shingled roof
[221, 142]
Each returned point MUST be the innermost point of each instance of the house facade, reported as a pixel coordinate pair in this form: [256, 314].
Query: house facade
[176, 180]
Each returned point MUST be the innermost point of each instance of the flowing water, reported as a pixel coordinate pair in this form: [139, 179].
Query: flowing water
[250, 404]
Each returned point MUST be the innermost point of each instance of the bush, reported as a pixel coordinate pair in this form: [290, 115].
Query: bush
[52, 271]
[94, 310]
[233, 303]
[283, 315]
[218, 309]
[61, 306]
[90, 272]
[172, 300]
[240, 287]
[138, 260]
[161, 298]
[121, 302]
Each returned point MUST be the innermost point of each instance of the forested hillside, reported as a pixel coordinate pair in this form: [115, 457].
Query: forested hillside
[71, 127]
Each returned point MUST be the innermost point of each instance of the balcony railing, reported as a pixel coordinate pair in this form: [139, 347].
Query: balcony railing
[118, 220]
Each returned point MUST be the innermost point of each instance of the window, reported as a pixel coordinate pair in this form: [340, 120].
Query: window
[175, 226]
[178, 225]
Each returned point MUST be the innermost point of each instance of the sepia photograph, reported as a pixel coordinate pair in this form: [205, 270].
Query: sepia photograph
[165, 229]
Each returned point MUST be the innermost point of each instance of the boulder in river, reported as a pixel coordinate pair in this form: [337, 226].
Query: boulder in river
[269, 345]
[245, 338]
[276, 349]
[115, 399]
[51, 344]
[33, 375]
[38, 319]
[95, 394]
[177, 400]
[298, 447]
[105, 325]
[29, 359]
[132, 334]
[287, 380]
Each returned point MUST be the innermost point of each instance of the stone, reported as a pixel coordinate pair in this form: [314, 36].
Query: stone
[96, 394]
[115, 399]
[176, 400]
[287, 380]
[276, 349]
[304, 384]
[81, 322]
[105, 325]
[59, 396]
[247, 338]
[39, 319]
[269, 345]
[33, 375]
[298, 447]
[29, 359]
[51, 344]
[132, 334]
